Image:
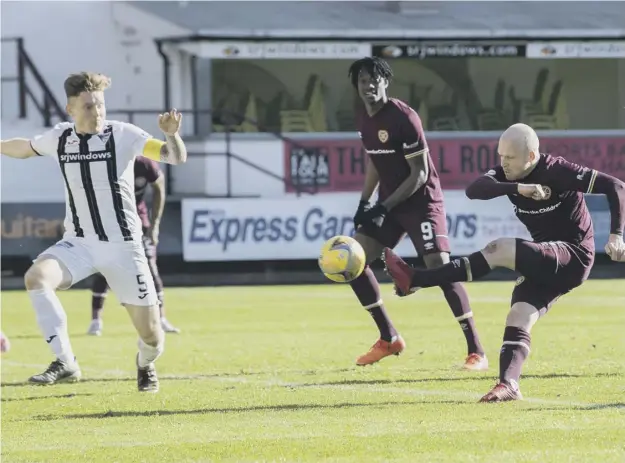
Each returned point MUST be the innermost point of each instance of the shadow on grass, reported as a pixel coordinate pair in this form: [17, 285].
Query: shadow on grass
[274, 375]
[461, 378]
[580, 407]
[251, 409]
[43, 397]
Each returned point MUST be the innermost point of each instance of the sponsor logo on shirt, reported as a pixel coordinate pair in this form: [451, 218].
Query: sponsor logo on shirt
[79, 157]
[542, 210]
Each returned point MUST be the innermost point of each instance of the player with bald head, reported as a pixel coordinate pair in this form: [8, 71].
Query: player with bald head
[547, 193]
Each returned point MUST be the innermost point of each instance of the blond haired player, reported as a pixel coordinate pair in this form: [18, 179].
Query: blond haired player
[102, 229]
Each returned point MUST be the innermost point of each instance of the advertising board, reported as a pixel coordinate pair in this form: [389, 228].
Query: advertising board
[338, 165]
[295, 228]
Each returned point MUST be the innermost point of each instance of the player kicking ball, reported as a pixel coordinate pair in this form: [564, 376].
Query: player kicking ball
[410, 202]
[102, 228]
[547, 194]
[146, 173]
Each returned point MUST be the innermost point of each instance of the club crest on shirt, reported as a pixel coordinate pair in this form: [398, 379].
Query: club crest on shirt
[519, 280]
[104, 137]
[383, 136]
[547, 191]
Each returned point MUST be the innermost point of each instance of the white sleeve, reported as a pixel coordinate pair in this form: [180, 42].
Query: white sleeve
[47, 143]
[135, 138]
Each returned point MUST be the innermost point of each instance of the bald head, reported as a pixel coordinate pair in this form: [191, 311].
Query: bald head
[521, 138]
[518, 149]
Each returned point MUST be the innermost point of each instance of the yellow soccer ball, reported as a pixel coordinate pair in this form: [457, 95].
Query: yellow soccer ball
[342, 259]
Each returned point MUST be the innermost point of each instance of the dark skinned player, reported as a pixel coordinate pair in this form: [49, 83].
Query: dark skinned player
[410, 202]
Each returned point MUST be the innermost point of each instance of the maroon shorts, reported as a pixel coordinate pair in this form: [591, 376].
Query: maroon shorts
[549, 270]
[425, 224]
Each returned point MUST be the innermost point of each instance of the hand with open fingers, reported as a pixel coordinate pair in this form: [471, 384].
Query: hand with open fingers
[533, 191]
[615, 248]
[169, 122]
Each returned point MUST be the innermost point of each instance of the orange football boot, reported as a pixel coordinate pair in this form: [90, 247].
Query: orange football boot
[476, 362]
[382, 349]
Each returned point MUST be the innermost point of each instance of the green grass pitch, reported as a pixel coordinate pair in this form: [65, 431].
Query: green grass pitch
[268, 374]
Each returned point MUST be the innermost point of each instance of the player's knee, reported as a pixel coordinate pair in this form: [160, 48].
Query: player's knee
[147, 323]
[373, 249]
[153, 335]
[45, 273]
[500, 252]
[34, 278]
[436, 260]
[523, 315]
[155, 339]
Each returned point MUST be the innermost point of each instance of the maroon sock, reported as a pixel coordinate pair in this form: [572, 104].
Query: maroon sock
[99, 289]
[161, 303]
[462, 269]
[367, 290]
[458, 301]
[515, 349]
[158, 283]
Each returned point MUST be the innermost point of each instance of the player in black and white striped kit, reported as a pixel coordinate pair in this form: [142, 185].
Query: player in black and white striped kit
[103, 232]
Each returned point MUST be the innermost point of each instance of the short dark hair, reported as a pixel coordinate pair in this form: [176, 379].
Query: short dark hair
[375, 67]
[75, 84]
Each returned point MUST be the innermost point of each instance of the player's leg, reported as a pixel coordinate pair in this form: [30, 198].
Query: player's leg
[126, 269]
[458, 301]
[499, 253]
[529, 302]
[551, 270]
[59, 267]
[367, 290]
[151, 343]
[150, 253]
[99, 288]
[428, 233]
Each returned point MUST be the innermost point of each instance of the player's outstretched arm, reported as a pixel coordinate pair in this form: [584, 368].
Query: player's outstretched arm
[174, 150]
[614, 190]
[573, 177]
[18, 148]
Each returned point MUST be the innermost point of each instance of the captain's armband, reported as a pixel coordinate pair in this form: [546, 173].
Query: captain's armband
[152, 149]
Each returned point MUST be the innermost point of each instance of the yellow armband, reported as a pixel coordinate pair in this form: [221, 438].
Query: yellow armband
[152, 149]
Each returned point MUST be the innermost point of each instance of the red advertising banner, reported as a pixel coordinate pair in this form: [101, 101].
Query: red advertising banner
[339, 165]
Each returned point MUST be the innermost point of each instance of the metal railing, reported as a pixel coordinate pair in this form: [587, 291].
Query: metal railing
[47, 106]
[295, 182]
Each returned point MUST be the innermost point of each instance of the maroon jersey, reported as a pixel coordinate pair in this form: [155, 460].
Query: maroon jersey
[563, 215]
[146, 171]
[390, 137]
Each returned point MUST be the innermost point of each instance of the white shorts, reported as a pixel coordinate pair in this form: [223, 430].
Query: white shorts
[124, 265]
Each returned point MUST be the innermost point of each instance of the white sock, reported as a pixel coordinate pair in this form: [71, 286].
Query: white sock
[52, 322]
[148, 354]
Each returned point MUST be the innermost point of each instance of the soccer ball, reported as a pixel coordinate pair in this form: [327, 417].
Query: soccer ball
[342, 259]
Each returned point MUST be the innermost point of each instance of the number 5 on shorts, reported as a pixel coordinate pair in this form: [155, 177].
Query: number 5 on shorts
[143, 286]
[426, 231]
